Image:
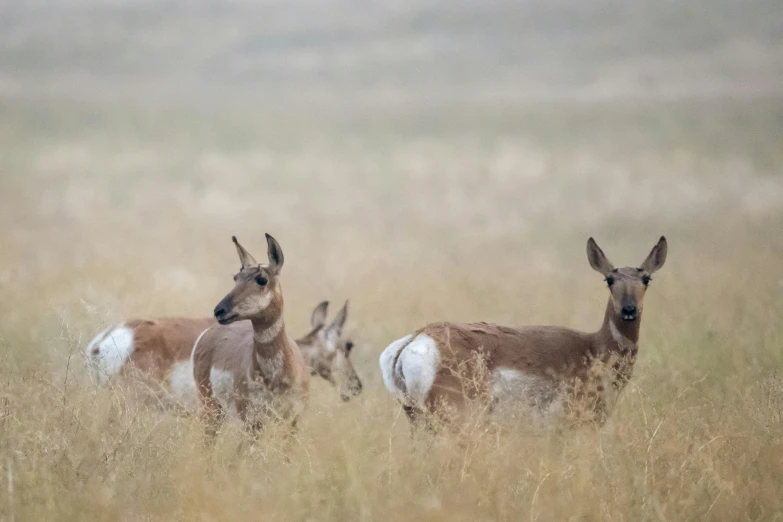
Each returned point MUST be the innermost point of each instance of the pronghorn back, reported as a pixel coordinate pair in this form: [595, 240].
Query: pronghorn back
[545, 367]
[149, 346]
[160, 351]
[449, 361]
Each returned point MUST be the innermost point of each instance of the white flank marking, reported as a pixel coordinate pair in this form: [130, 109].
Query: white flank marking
[183, 391]
[505, 381]
[538, 395]
[223, 386]
[181, 380]
[418, 363]
[108, 352]
[182, 385]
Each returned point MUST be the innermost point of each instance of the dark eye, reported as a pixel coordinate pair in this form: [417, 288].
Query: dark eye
[261, 280]
[609, 280]
[348, 346]
[646, 280]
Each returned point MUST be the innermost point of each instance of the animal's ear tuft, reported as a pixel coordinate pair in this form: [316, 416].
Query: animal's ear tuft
[318, 318]
[335, 329]
[275, 254]
[657, 257]
[597, 258]
[244, 256]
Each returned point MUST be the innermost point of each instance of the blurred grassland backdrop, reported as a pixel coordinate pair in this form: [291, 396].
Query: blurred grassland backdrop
[427, 160]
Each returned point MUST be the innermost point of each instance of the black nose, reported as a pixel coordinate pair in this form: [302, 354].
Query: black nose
[219, 312]
[629, 310]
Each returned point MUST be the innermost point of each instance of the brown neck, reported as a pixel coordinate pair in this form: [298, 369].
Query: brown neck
[614, 325]
[269, 337]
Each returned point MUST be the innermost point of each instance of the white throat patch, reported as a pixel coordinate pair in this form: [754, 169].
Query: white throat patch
[269, 335]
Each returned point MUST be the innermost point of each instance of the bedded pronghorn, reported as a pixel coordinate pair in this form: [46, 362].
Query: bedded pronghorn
[535, 370]
[160, 349]
[252, 367]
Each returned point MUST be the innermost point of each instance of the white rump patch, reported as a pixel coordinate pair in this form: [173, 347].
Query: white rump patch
[416, 367]
[91, 356]
[387, 363]
[107, 353]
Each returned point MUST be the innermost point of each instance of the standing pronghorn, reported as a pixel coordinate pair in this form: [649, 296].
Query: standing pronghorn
[159, 350]
[253, 366]
[540, 368]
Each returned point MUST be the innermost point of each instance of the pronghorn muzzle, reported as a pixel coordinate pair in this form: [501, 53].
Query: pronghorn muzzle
[629, 311]
[223, 312]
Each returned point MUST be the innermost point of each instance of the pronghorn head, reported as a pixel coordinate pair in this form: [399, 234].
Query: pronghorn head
[257, 294]
[627, 285]
[328, 353]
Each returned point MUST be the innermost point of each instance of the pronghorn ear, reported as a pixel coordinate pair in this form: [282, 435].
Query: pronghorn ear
[336, 327]
[275, 255]
[318, 318]
[657, 257]
[244, 256]
[597, 258]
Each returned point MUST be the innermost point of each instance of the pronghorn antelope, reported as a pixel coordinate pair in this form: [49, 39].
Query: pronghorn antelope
[327, 354]
[253, 366]
[536, 370]
[160, 350]
[150, 347]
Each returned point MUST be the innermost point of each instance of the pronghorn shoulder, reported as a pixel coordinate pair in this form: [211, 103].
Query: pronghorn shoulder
[225, 346]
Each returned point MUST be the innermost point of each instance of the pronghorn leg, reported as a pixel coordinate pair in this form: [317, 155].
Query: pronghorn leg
[213, 416]
[211, 410]
[414, 414]
[457, 399]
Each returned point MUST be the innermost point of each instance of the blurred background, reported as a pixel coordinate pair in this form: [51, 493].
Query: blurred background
[427, 160]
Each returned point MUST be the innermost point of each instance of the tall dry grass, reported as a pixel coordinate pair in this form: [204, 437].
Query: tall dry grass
[429, 162]
[115, 219]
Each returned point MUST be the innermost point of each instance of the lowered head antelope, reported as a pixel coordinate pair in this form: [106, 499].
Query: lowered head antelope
[252, 365]
[327, 353]
[538, 370]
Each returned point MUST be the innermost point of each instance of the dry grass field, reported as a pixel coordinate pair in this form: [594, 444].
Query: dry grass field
[427, 161]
